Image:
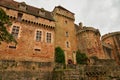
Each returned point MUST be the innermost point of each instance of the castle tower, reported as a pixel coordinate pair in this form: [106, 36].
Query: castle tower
[88, 39]
[113, 40]
[65, 35]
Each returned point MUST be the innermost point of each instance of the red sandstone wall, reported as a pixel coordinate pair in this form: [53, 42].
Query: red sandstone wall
[26, 40]
[65, 24]
[89, 43]
[111, 39]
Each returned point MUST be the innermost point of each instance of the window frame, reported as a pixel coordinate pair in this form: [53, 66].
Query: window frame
[39, 36]
[47, 37]
[16, 31]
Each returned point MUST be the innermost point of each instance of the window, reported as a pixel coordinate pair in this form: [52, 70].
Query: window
[67, 44]
[22, 6]
[37, 49]
[65, 22]
[39, 36]
[66, 34]
[19, 16]
[41, 12]
[48, 37]
[15, 31]
[12, 46]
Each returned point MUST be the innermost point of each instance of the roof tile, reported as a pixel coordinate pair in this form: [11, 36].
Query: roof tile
[29, 9]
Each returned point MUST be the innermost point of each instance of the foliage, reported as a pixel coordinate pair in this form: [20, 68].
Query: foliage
[4, 22]
[81, 58]
[59, 55]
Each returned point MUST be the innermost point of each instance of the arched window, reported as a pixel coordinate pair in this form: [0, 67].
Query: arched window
[67, 44]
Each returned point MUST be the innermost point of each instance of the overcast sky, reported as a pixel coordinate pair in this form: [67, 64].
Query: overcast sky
[101, 14]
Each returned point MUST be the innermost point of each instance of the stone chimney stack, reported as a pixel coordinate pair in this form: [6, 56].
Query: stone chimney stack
[80, 25]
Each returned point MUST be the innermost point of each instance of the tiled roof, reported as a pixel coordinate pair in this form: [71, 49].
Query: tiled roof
[63, 9]
[29, 9]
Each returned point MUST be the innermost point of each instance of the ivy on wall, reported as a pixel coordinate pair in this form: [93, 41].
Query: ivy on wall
[59, 55]
[4, 22]
[81, 58]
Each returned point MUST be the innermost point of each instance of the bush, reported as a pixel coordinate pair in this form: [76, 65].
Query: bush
[4, 22]
[59, 55]
[81, 58]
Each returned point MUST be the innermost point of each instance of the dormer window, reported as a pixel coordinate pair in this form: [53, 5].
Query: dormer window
[19, 18]
[41, 12]
[22, 6]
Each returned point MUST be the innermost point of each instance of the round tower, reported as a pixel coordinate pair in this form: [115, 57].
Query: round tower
[88, 39]
[113, 40]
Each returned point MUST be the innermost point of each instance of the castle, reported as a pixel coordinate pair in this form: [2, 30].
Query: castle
[38, 32]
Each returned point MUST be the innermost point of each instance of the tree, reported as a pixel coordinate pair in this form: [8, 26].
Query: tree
[59, 55]
[81, 58]
[4, 22]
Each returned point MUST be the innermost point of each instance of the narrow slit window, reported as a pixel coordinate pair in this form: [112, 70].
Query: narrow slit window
[66, 34]
[67, 44]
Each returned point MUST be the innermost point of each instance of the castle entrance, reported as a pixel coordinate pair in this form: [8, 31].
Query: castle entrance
[70, 62]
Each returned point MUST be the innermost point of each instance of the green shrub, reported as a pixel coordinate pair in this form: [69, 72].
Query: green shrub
[81, 58]
[59, 55]
[4, 22]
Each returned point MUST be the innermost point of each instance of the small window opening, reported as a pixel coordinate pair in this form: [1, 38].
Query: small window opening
[37, 49]
[67, 34]
[19, 18]
[67, 44]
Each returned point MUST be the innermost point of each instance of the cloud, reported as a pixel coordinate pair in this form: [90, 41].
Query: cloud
[102, 14]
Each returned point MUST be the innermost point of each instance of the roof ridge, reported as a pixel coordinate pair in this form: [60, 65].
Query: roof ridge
[29, 9]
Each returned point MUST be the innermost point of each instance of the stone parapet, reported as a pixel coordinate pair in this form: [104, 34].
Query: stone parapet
[110, 34]
[88, 29]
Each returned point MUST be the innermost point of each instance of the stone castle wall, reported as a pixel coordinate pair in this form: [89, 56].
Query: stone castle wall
[100, 70]
[27, 44]
[25, 70]
[33, 60]
[113, 40]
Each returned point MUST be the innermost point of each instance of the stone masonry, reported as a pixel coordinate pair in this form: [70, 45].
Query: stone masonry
[38, 32]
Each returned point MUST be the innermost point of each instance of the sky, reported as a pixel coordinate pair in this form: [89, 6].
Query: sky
[100, 14]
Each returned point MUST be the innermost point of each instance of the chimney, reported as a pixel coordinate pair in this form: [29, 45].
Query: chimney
[80, 25]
